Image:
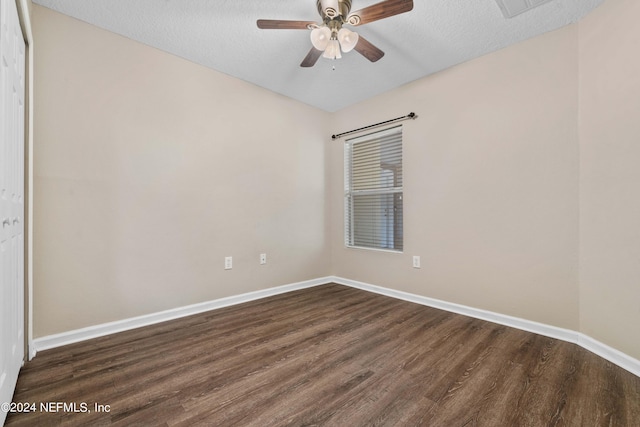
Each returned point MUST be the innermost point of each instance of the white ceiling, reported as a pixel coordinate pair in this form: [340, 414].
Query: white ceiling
[222, 35]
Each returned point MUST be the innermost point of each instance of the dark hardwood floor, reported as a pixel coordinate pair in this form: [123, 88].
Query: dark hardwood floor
[329, 355]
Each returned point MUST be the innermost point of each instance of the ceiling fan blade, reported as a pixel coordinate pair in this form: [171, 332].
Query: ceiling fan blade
[369, 51]
[311, 58]
[379, 11]
[277, 24]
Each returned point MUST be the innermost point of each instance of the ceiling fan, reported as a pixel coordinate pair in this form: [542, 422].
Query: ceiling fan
[329, 38]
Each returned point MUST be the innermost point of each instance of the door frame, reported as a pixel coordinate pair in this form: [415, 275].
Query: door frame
[24, 16]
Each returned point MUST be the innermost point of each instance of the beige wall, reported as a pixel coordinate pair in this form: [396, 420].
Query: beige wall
[521, 181]
[610, 175]
[491, 184]
[150, 169]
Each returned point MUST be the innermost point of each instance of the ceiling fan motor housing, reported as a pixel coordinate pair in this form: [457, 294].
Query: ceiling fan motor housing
[328, 11]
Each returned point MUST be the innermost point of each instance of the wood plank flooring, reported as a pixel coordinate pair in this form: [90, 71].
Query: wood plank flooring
[331, 356]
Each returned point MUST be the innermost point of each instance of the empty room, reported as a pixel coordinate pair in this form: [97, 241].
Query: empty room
[320, 212]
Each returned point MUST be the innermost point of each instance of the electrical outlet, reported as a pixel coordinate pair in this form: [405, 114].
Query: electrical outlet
[228, 263]
[416, 261]
[263, 259]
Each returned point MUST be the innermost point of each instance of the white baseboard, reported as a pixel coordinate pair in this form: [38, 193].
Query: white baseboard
[77, 335]
[614, 356]
[611, 354]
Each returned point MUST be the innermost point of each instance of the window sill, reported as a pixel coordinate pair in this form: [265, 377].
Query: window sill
[364, 248]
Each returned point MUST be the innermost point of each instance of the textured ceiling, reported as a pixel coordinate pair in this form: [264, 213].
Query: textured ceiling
[222, 35]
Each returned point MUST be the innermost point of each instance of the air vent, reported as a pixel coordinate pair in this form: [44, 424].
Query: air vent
[511, 8]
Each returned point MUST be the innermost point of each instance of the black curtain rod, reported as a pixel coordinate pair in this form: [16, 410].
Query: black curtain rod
[408, 116]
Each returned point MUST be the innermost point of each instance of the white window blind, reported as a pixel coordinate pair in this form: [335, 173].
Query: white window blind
[373, 190]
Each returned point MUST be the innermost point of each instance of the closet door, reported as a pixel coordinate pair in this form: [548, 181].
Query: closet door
[12, 111]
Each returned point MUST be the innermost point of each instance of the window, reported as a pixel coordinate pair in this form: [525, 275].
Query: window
[373, 190]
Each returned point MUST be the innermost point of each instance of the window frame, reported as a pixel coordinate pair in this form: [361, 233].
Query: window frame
[350, 194]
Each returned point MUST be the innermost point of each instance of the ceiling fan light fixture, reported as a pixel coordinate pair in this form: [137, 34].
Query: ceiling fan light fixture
[320, 37]
[333, 50]
[330, 40]
[348, 39]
